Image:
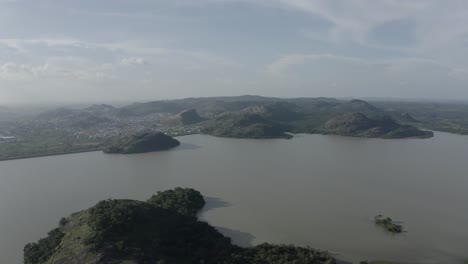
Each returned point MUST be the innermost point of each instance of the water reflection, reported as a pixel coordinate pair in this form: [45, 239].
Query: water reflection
[313, 190]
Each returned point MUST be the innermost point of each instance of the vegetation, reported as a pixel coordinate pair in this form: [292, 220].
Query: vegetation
[127, 231]
[69, 130]
[143, 232]
[358, 124]
[282, 254]
[45, 145]
[139, 109]
[446, 117]
[382, 262]
[388, 224]
[245, 126]
[185, 201]
[189, 117]
[41, 251]
[141, 143]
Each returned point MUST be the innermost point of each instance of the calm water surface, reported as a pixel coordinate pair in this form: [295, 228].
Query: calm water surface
[319, 191]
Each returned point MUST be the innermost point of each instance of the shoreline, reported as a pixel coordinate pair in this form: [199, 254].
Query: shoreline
[51, 154]
[175, 136]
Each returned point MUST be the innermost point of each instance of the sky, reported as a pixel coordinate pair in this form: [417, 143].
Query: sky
[141, 50]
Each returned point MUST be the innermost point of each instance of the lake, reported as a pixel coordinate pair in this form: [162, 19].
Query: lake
[312, 190]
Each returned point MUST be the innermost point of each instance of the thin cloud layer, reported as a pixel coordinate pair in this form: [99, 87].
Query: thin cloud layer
[135, 50]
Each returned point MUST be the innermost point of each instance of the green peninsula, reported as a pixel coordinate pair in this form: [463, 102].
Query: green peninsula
[141, 143]
[377, 126]
[161, 230]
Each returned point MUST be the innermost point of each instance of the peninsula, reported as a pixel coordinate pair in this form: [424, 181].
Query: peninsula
[160, 230]
[141, 143]
[97, 127]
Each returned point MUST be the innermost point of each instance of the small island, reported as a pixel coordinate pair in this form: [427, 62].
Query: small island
[141, 143]
[388, 224]
[163, 229]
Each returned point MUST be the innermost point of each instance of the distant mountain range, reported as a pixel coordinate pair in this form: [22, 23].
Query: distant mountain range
[256, 116]
[85, 128]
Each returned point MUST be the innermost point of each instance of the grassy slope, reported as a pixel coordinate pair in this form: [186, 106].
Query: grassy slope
[72, 249]
[128, 231]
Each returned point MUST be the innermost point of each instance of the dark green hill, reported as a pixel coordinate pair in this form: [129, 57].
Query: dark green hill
[189, 117]
[141, 143]
[449, 117]
[360, 125]
[277, 111]
[82, 117]
[186, 117]
[356, 105]
[245, 126]
[140, 109]
[183, 201]
[128, 231]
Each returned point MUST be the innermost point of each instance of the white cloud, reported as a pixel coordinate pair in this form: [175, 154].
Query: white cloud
[461, 74]
[59, 68]
[282, 64]
[24, 45]
[13, 71]
[192, 39]
[402, 65]
[355, 76]
[132, 61]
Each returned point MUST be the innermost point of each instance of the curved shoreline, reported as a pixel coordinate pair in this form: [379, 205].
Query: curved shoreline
[51, 154]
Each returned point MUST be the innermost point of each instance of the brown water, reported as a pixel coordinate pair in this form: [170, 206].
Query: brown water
[320, 191]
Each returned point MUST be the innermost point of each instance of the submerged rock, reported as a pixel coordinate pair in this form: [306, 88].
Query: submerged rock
[388, 224]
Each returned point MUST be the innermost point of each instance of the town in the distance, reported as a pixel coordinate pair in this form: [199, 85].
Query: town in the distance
[165, 228]
[70, 129]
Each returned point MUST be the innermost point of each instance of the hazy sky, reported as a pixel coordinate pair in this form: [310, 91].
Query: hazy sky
[104, 50]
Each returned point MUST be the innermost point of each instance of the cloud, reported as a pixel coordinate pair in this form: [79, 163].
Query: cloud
[224, 46]
[24, 45]
[13, 71]
[58, 68]
[132, 51]
[284, 63]
[132, 61]
[97, 61]
[461, 74]
[421, 27]
[356, 76]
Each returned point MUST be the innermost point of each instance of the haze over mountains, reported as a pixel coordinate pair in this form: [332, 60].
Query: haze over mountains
[133, 50]
[85, 128]
[252, 116]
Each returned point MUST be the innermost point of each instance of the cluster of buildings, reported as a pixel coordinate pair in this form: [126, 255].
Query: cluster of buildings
[60, 129]
[109, 130]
